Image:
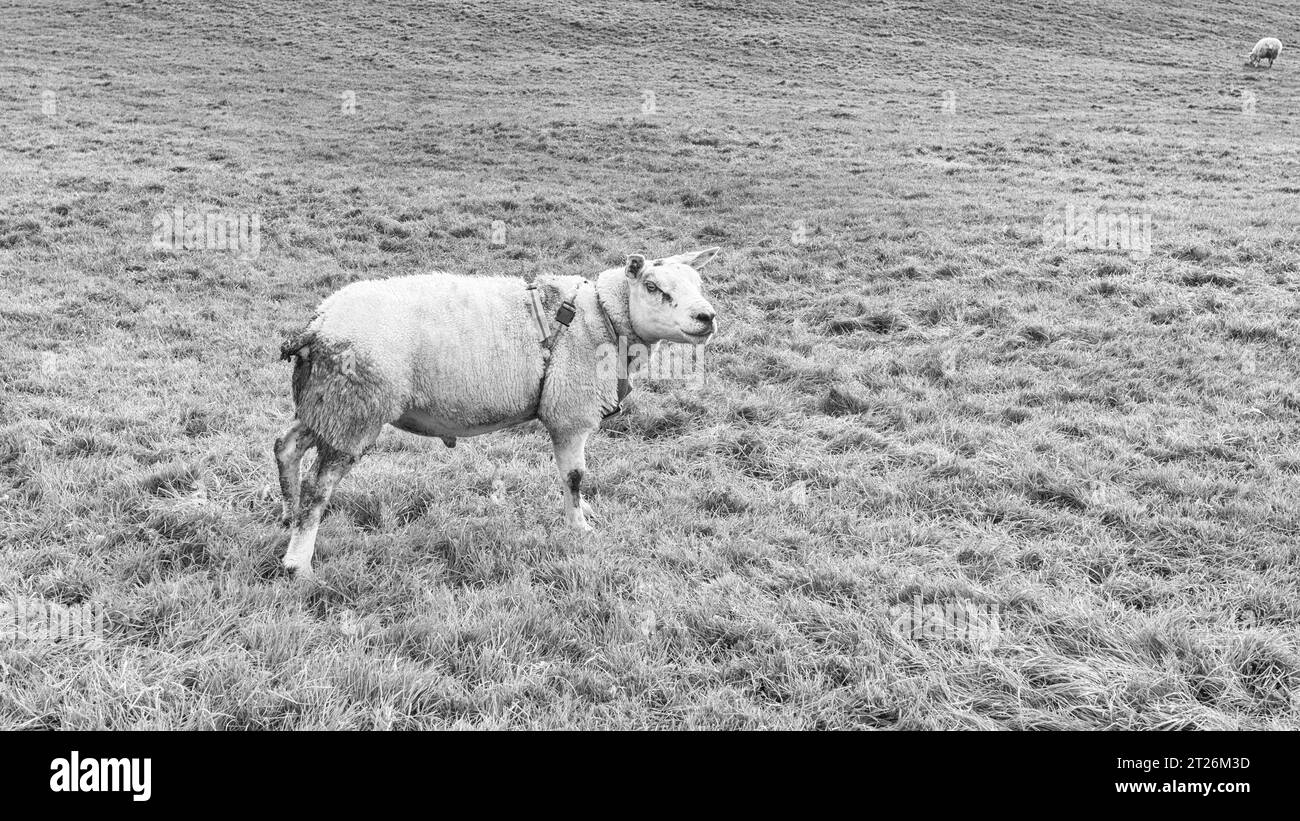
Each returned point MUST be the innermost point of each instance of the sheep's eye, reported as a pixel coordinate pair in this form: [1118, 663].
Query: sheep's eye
[652, 288]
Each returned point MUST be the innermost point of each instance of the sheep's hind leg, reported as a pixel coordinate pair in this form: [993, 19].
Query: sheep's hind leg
[332, 466]
[571, 459]
[290, 449]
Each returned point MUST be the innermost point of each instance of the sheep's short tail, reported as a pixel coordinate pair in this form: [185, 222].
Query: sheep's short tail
[297, 346]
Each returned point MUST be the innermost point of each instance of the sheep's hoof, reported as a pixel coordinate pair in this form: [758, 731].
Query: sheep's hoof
[579, 523]
[298, 572]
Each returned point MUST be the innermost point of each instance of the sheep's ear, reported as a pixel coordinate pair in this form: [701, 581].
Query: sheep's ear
[697, 259]
[635, 264]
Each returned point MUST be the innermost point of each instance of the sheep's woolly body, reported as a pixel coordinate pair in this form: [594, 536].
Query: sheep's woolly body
[449, 355]
[1266, 49]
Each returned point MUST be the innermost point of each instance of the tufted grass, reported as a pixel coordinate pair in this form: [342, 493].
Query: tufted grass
[918, 402]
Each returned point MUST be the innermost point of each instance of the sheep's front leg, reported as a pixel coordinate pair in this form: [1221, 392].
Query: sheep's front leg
[571, 459]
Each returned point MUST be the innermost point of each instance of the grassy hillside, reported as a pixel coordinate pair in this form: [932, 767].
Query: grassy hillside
[914, 397]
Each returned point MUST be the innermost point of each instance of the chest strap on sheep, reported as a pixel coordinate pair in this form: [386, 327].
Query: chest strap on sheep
[624, 384]
[539, 314]
[564, 315]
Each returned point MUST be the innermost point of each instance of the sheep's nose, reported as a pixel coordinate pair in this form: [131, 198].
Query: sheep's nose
[704, 317]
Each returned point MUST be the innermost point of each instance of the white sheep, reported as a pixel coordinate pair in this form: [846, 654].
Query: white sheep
[447, 356]
[1266, 49]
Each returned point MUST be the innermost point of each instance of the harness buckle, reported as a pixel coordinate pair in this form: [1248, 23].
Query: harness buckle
[564, 315]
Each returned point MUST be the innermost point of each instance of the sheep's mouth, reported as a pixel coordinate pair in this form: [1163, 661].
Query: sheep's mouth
[698, 338]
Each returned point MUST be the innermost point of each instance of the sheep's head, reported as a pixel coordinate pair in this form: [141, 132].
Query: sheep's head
[664, 298]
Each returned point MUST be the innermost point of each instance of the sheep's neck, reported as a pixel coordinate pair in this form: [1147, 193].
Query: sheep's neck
[613, 289]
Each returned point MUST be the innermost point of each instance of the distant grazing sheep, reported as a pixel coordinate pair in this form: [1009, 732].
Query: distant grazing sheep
[447, 356]
[1266, 49]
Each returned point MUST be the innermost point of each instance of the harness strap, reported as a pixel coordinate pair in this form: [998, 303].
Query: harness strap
[564, 315]
[544, 332]
[624, 385]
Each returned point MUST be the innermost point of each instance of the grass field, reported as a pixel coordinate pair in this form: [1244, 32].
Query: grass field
[915, 398]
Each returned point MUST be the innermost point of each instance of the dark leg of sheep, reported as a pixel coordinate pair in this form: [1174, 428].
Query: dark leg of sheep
[290, 448]
[332, 466]
[571, 459]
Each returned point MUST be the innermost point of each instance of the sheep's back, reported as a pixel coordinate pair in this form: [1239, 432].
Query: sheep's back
[1268, 47]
